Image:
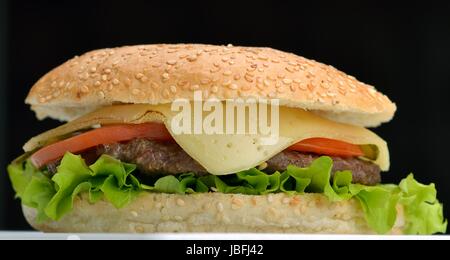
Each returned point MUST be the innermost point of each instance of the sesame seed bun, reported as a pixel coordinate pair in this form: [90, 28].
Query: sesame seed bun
[155, 74]
[215, 212]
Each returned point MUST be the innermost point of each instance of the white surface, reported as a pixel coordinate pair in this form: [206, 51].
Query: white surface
[202, 236]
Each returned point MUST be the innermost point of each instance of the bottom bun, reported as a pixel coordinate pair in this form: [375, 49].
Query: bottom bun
[215, 212]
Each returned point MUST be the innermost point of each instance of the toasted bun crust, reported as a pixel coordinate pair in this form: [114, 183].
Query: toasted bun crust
[215, 212]
[157, 74]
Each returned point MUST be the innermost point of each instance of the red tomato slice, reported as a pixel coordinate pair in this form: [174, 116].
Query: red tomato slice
[102, 135]
[327, 146]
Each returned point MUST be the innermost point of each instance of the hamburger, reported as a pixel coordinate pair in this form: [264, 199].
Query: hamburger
[121, 164]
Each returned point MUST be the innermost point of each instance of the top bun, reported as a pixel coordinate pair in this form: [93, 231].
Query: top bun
[156, 74]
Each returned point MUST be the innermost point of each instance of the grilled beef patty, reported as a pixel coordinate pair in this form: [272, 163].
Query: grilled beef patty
[152, 157]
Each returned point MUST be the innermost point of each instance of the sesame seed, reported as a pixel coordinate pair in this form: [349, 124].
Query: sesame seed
[180, 202]
[93, 69]
[173, 89]
[53, 84]
[115, 82]
[139, 75]
[214, 89]
[292, 87]
[134, 213]
[101, 94]
[107, 71]
[289, 69]
[227, 73]
[205, 81]
[226, 82]
[154, 85]
[260, 86]
[246, 87]
[233, 86]
[262, 57]
[248, 78]
[165, 76]
[42, 99]
[192, 58]
[287, 81]
[104, 77]
[144, 79]
[225, 59]
[214, 70]
[97, 83]
[171, 62]
[272, 78]
[84, 89]
[331, 94]
[135, 91]
[275, 60]
[281, 75]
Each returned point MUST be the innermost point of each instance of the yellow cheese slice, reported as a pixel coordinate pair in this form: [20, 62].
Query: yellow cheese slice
[225, 154]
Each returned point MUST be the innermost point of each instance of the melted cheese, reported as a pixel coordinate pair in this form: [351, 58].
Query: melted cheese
[225, 154]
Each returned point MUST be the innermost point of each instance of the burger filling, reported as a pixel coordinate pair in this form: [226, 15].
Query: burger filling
[156, 158]
[118, 162]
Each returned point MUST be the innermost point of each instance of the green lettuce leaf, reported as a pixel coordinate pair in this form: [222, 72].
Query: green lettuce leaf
[422, 209]
[113, 180]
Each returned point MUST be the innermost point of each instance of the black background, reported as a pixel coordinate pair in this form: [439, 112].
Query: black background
[403, 50]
